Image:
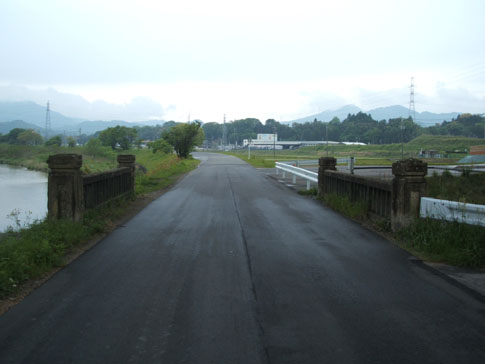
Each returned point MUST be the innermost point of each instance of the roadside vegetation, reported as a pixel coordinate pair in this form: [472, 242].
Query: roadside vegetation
[28, 252]
[442, 241]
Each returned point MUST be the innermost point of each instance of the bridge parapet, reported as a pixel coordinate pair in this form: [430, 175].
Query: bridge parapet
[398, 200]
[70, 193]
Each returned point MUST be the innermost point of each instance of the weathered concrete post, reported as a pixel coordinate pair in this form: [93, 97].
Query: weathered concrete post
[324, 164]
[128, 160]
[409, 185]
[65, 187]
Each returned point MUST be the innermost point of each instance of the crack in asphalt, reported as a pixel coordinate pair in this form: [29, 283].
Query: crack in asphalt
[250, 269]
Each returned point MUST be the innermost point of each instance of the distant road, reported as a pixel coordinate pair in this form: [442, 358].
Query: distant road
[230, 266]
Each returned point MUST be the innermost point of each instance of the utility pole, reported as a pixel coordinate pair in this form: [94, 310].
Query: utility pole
[326, 132]
[224, 134]
[274, 143]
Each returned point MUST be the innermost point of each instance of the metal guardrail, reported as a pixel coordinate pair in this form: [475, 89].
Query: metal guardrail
[452, 211]
[309, 176]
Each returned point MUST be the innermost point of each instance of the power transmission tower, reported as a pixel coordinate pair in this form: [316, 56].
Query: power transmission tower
[47, 121]
[412, 108]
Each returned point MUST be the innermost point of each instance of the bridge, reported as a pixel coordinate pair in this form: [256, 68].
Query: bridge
[229, 266]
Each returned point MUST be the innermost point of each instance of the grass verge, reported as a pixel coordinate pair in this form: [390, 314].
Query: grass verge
[40, 247]
[441, 241]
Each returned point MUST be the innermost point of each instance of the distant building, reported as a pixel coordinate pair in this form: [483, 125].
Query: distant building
[267, 137]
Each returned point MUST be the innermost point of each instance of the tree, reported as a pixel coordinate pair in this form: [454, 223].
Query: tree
[93, 146]
[184, 137]
[71, 142]
[29, 137]
[55, 140]
[12, 136]
[161, 145]
[121, 136]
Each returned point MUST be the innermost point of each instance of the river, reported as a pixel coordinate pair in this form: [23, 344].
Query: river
[23, 193]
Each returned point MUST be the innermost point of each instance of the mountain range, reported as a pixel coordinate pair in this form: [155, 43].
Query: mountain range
[29, 115]
[382, 113]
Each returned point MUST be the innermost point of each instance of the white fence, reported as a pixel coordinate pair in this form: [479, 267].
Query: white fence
[452, 211]
[309, 176]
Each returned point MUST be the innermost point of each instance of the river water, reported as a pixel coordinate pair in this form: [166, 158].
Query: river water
[23, 193]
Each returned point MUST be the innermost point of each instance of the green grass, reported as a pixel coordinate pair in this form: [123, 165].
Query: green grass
[446, 242]
[256, 160]
[162, 171]
[343, 205]
[469, 188]
[444, 143]
[35, 250]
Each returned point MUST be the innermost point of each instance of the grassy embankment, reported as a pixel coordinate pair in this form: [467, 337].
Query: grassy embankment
[32, 251]
[433, 240]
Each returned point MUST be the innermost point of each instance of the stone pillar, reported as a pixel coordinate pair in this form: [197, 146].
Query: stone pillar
[65, 187]
[409, 185]
[324, 164]
[128, 160]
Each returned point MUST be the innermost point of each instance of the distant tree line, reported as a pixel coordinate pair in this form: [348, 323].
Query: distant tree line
[360, 127]
[172, 136]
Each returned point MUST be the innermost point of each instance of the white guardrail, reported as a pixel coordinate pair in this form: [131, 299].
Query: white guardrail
[309, 176]
[452, 211]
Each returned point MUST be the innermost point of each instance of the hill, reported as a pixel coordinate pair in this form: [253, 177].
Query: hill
[328, 115]
[33, 113]
[444, 143]
[29, 115]
[6, 126]
[382, 113]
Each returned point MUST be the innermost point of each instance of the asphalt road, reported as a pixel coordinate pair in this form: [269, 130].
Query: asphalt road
[229, 267]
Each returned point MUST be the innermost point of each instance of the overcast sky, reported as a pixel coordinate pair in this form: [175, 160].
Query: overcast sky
[254, 58]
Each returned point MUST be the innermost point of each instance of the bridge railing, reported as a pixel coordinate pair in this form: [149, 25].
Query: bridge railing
[375, 193]
[70, 193]
[99, 188]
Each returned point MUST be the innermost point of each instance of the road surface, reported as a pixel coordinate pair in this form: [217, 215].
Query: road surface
[229, 267]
